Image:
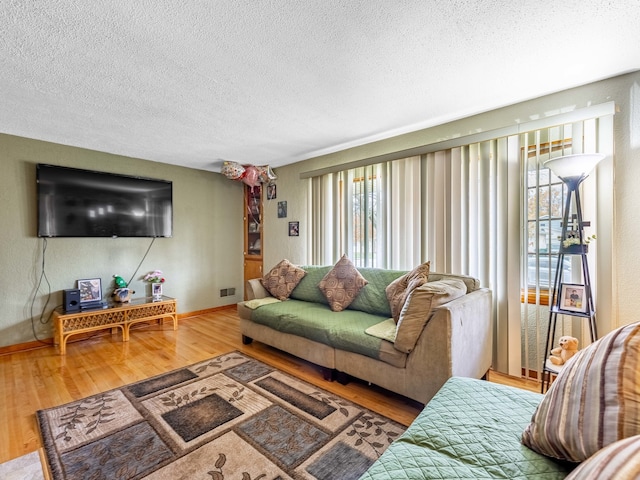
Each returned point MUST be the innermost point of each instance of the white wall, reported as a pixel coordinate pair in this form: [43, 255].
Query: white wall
[203, 256]
[624, 254]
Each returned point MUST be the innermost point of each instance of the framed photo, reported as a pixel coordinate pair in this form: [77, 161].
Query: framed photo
[156, 289]
[282, 209]
[271, 191]
[294, 229]
[90, 290]
[573, 298]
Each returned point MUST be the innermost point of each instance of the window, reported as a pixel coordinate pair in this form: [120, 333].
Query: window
[545, 197]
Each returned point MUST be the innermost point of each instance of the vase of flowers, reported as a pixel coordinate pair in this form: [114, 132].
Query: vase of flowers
[155, 278]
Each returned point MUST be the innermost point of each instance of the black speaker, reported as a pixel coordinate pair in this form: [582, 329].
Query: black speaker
[71, 299]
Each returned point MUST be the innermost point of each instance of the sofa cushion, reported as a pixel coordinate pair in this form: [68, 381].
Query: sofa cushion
[372, 299]
[398, 290]
[307, 290]
[344, 330]
[342, 284]
[282, 279]
[419, 306]
[594, 401]
[618, 460]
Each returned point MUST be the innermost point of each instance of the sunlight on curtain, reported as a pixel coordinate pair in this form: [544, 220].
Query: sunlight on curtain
[472, 219]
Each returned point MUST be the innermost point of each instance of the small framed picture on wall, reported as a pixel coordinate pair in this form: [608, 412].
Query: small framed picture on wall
[294, 229]
[271, 191]
[282, 209]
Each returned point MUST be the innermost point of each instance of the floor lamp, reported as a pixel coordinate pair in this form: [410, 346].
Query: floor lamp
[572, 170]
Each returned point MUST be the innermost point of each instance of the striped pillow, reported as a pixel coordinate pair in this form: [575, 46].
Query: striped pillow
[594, 402]
[617, 461]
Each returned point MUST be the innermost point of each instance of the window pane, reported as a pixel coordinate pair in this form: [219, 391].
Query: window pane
[533, 236]
[556, 200]
[542, 272]
[364, 198]
[556, 232]
[544, 176]
[532, 203]
[543, 202]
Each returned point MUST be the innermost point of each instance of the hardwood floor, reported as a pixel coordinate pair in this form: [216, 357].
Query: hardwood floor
[41, 378]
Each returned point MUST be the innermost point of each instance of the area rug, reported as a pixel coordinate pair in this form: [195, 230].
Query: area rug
[231, 417]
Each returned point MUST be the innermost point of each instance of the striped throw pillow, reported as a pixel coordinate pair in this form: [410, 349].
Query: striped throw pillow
[620, 460]
[594, 401]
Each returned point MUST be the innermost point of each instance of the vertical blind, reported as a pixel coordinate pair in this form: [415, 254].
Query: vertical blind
[461, 208]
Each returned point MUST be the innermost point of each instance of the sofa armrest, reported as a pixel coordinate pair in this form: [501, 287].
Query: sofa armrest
[468, 320]
[256, 290]
[456, 341]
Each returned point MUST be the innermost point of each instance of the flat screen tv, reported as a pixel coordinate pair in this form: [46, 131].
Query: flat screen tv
[85, 203]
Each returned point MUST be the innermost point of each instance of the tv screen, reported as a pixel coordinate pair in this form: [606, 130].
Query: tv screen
[84, 203]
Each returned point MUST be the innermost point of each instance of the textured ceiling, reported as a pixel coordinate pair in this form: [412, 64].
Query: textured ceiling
[197, 82]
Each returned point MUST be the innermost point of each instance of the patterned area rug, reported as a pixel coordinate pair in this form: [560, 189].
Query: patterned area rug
[231, 417]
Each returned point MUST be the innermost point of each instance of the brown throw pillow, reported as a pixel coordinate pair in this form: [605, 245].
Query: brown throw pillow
[342, 284]
[282, 279]
[398, 290]
[419, 306]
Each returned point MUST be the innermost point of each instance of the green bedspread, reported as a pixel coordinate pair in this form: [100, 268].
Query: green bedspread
[470, 429]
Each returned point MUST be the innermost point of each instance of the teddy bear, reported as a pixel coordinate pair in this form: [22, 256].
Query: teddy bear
[567, 349]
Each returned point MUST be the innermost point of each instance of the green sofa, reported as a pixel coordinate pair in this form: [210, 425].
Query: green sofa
[447, 331]
[470, 429]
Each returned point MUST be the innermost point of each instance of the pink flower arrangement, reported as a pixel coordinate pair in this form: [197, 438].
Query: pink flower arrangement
[154, 277]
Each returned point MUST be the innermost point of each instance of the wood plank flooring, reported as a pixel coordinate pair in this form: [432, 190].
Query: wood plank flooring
[41, 378]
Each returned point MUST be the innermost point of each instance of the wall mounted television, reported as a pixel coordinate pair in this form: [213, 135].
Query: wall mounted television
[85, 203]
